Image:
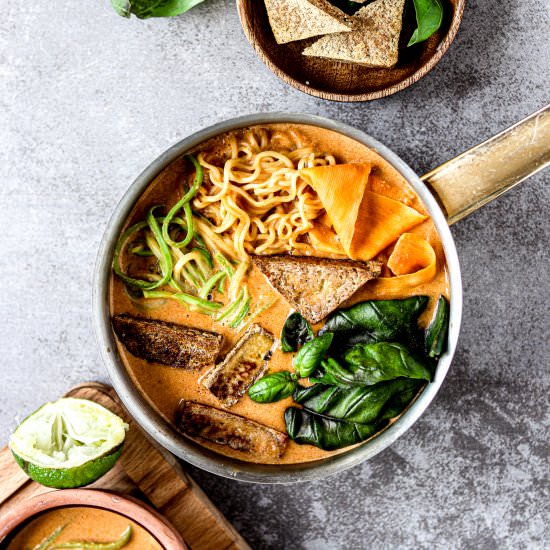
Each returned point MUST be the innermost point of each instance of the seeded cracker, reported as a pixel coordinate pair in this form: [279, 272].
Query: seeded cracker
[293, 20]
[374, 41]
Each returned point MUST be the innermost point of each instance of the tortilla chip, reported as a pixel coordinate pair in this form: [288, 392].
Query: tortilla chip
[374, 41]
[293, 20]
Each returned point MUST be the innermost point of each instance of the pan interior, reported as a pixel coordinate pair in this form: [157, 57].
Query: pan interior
[144, 409]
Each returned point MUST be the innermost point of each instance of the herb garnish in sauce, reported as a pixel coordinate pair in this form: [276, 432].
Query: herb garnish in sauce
[49, 542]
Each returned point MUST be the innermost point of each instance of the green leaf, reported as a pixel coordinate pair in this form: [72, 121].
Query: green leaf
[373, 363]
[360, 404]
[311, 354]
[273, 387]
[369, 364]
[296, 332]
[436, 333]
[400, 401]
[332, 373]
[379, 320]
[122, 7]
[329, 432]
[304, 427]
[170, 8]
[429, 16]
[144, 9]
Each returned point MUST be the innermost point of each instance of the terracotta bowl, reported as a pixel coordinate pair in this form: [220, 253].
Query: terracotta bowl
[339, 81]
[126, 506]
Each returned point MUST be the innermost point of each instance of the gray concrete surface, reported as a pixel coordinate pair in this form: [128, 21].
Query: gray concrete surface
[88, 99]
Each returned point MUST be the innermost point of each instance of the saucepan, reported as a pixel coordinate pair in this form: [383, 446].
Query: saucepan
[449, 192]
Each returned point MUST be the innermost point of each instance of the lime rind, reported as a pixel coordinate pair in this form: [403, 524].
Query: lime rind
[68, 443]
[69, 478]
[67, 433]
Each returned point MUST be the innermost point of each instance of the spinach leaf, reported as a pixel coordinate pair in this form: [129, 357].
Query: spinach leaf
[360, 404]
[366, 365]
[344, 341]
[373, 363]
[381, 320]
[144, 9]
[331, 373]
[296, 332]
[311, 354]
[399, 402]
[436, 333]
[273, 387]
[305, 427]
[429, 16]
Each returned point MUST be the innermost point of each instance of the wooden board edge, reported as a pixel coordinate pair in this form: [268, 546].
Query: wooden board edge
[13, 480]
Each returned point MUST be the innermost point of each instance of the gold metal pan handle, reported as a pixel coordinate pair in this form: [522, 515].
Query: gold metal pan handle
[491, 168]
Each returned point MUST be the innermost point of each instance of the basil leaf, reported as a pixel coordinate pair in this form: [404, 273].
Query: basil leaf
[304, 427]
[144, 9]
[311, 354]
[429, 16]
[373, 363]
[296, 332]
[359, 404]
[380, 320]
[273, 387]
[436, 333]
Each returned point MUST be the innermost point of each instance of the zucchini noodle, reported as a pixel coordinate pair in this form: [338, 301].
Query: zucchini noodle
[182, 270]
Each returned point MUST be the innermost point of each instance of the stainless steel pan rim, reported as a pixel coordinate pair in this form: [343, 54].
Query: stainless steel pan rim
[169, 437]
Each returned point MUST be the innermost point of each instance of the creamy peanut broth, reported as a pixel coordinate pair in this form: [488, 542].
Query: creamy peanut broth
[82, 523]
[164, 386]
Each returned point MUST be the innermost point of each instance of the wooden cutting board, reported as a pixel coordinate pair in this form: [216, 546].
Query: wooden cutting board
[144, 471]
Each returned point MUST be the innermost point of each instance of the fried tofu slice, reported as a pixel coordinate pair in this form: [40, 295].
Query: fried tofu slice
[168, 343]
[242, 366]
[225, 428]
[374, 41]
[293, 20]
[315, 286]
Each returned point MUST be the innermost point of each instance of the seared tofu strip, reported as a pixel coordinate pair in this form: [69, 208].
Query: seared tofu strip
[168, 343]
[246, 362]
[225, 428]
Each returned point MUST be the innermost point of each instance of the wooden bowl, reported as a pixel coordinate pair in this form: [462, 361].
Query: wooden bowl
[132, 508]
[340, 81]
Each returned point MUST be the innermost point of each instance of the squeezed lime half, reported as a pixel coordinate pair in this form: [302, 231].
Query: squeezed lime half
[68, 443]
